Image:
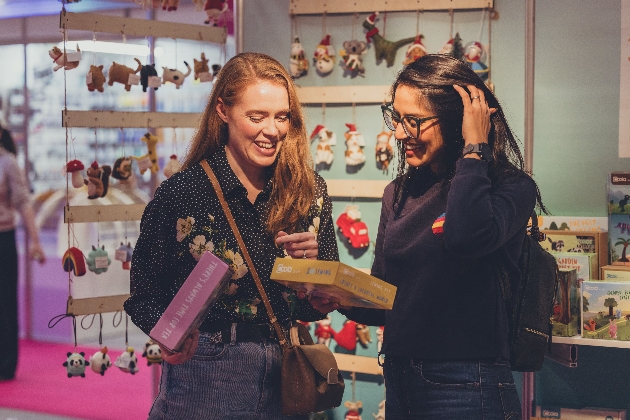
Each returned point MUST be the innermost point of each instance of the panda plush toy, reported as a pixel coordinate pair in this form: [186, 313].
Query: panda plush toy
[75, 364]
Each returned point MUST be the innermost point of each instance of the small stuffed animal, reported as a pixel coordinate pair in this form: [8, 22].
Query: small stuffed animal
[98, 79]
[298, 65]
[171, 167]
[100, 361]
[101, 254]
[363, 335]
[120, 74]
[126, 260]
[324, 56]
[216, 68]
[122, 169]
[324, 332]
[381, 411]
[383, 48]
[354, 410]
[75, 364]
[324, 153]
[379, 338]
[145, 73]
[175, 76]
[352, 56]
[74, 260]
[170, 5]
[415, 51]
[74, 167]
[151, 157]
[474, 53]
[152, 353]
[384, 151]
[354, 144]
[214, 9]
[201, 66]
[60, 59]
[98, 180]
[127, 361]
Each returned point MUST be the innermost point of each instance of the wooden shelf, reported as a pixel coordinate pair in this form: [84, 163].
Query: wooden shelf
[358, 364]
[344, 94]
[310, 7]
[141, 27]
[97, 305]
[356, 188]
[579, 341]
[103, 213]
[127, 119]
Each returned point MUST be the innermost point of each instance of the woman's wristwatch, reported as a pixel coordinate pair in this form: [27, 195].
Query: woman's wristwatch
[483, 150]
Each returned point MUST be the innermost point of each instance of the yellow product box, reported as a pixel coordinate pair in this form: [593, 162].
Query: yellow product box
[615, 273]
[588, 413]
[579, 241]
[335, 281]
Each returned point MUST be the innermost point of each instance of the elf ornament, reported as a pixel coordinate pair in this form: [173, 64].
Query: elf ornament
[354, 144]
[415, 50]
[324, 57]
[97, 260]
[384, 150]
[100, 361]
[383, 48]
[474, 53]
[298, 66]
[352, 56]
[324, 153]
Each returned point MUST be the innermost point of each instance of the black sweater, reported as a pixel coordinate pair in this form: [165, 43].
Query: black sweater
[448, 305]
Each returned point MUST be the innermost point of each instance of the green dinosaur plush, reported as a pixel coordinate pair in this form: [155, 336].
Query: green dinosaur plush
[383, 49]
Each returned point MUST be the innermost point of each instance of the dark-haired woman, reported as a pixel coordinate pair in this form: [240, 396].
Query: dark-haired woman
[460, 202]
[14, 195]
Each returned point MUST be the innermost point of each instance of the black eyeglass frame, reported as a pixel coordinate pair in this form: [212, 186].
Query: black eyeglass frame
[397, 118]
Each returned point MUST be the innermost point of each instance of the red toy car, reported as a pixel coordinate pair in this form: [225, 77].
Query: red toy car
[355, 230]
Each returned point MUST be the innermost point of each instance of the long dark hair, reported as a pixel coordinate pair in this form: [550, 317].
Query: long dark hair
[433, 77]
[6, 141]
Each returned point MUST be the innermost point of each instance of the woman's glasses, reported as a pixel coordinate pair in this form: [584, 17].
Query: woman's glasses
[411, 125]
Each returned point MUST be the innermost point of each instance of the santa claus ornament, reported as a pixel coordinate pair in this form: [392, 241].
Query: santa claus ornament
[355, 142]
[298, 65]
[474, 55]
[384, 150]
[415, 51]
[325, 138]
[383, 48]
[324, 57]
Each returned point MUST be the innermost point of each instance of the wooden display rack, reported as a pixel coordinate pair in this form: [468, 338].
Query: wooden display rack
[310, 7]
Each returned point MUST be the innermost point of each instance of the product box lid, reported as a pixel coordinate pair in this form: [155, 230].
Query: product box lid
[335, 281]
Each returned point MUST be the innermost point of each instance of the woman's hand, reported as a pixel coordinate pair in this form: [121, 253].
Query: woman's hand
[476, 122]
[321, 304]
[186, 353]
[299, 245]
[37, 253]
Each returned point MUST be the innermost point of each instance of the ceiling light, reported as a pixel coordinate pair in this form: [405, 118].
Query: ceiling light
[112, 48]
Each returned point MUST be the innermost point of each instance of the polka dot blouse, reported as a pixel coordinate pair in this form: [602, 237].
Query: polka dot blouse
[185, 219]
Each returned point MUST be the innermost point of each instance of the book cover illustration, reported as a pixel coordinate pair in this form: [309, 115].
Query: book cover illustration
[566, 309]
[619, 217]
[606, 310]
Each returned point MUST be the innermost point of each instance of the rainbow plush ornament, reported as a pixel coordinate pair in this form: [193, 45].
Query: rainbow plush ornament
[100, 361]
[474, 54]
[73, 260]
[324, 154]
[354, 144]
[101, 254]
[415, 51]
[127, 361]
[75, 364]
[298, 65]
[324, 57]
[128, 255]
[438, 225]
[153, 353]
[383, 49]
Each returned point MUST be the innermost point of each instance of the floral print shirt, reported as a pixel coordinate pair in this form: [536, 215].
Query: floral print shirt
[185, 219]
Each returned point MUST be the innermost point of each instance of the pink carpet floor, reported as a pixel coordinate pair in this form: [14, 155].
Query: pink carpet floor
[42, 385]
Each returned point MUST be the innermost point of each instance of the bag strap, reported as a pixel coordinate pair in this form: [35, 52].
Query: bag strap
[228, 214]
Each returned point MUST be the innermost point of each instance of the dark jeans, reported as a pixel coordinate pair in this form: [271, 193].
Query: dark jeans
[8, 305]
[468, 390]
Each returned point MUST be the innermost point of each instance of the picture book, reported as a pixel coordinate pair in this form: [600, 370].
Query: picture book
[619, 217]
[606, 310]
[566, 308]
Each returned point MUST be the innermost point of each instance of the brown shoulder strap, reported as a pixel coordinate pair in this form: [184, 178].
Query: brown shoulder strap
[241, 244]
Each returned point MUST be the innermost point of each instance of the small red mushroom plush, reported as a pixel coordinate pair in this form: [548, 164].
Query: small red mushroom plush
[75, 167]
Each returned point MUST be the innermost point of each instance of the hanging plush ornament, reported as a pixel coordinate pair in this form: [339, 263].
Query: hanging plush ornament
[74, 168]
[175, 76]
[325, 139]
[454, 47]
[354, 410]
[352, 228]
[384, 150]
[97, 180]
[381, 411]
[73, 260]
[100, 361]
[122, 169]
[415, 51]
[202, 70]
[215, 9]
[171, 167]
[152, 353]
[379, 338]
[324, 332]
[324, 57]
[149, 77]
[363, 335]
[347, 336]
[354, 144]
[352, 56]
[75, 364]
[127, 361]
[383, 49]
[95, 79]
[170, 5]
[474, 54]
[149, 161]
[298, 66]
[65, 60]
[122, 74]
[97, 260]
[124, 254]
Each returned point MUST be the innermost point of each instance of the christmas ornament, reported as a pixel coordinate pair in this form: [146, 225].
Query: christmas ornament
[324, 331]
[127, 361]
[175, 76]
[100, 361]
[171, 167]
[152, 353]
[146, 73]
[384, 150]
[124, 254]
[98, 260]
[298, 66]
[383, 48]
[67, 60]
[354, 410]
[352, 56]
[454, 47]
[347, 336]
[324, 57]
[97, 180]
[214, 9]
[73, 260]
[324, 153]
[95, 79]
[415, 50]
[352, 228]
[74, 168]
[75, 364]
[354, 144]
[149, 161]
[474, 54]
[120, 74]
[122, 169]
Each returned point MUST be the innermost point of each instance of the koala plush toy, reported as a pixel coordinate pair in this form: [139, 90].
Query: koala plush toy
[352, 56]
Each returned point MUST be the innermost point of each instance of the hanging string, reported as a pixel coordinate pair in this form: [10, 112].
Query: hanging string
[324, 114]
[65, 110]
[91, 322]
[483, 19]
[324, 24]
[126, 330]
[124, 39]
[95, 146]
[353, 375]
[489, 49]
[100, 331]
[418, 22]
[74, 329]
[354, 113]
[384, 24]
[354, 25]
[452, 16]
[94, 53]
[114, 323]
[122, 136]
